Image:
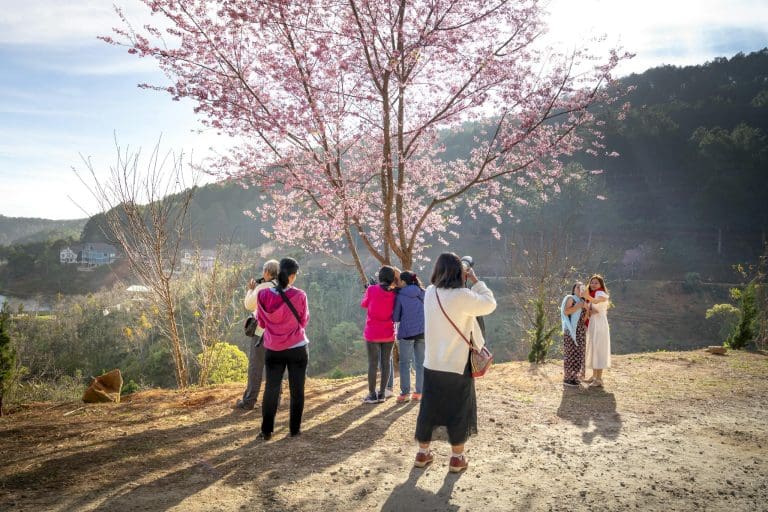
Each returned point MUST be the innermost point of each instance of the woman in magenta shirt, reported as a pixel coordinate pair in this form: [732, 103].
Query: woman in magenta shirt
[379, 331]
[283, 313]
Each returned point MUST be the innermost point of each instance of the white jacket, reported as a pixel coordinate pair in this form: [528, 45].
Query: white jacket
[251, 301]
[445, 350]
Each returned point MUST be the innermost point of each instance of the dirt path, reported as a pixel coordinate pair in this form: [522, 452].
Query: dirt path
[671, 431]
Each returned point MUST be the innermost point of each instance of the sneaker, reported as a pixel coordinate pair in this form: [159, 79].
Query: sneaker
[404, 397]
[458, 464]
[381, 397]
[571, 383]
[416, 397]
[242, 405]
[597, 383]
[423, 459]
[265, 436]
[388, 393]
[372, 398]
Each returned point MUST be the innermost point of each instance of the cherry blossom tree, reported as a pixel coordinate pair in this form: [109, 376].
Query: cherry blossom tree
[338, 107]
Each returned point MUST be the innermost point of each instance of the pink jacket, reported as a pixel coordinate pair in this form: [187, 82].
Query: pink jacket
[281, 330]
[380, 303]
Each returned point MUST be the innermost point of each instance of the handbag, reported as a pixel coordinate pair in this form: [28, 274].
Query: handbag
[480, 360]
[250, 326]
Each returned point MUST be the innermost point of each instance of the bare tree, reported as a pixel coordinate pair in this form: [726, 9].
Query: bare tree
[214, 282]
[146, 214]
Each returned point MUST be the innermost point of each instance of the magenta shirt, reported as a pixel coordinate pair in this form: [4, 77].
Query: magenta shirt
[281, 329]
[380, 303]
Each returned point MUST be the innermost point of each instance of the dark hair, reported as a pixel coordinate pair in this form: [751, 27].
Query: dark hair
[288, 267]
[573, 288]
[386, 275]
[448, 272]
[409, 277]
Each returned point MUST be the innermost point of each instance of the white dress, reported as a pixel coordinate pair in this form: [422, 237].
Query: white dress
[599, 336]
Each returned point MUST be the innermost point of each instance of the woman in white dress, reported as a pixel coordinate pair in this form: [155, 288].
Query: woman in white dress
[598, 332]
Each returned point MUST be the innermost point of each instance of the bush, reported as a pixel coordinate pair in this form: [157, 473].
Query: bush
[726, 316]
[692, 282]
[746, 330]
[7, 354]
[228, 364]
[130, 387]
[337, 374]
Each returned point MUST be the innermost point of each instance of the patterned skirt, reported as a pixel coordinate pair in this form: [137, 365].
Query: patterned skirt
[573, 353]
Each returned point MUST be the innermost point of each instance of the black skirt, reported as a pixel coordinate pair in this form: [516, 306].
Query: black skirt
[448, 401]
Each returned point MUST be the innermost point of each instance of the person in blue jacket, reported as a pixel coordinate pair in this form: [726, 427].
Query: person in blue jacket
[409, 314]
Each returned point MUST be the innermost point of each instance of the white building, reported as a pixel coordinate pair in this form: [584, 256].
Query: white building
[204, 259]
[67, 255]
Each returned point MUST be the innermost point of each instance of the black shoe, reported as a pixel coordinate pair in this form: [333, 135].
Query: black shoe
[372, 398]
[296, 434]
[241, 405]
[264, 436]
[571, 383]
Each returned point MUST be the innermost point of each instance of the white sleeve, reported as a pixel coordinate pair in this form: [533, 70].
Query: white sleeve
[251, 299]
[482, 303]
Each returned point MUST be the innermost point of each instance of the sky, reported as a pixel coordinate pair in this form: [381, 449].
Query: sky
[65, 95]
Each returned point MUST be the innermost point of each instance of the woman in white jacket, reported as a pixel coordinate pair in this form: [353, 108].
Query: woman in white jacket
[449, 389]
[598, 355]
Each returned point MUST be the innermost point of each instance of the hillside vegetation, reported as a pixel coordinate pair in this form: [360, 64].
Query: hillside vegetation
[671, 431]
[23, 230]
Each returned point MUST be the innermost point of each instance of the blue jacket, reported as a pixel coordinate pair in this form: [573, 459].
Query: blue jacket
[409, 311]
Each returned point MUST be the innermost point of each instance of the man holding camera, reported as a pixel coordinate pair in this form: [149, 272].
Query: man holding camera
[256, 352]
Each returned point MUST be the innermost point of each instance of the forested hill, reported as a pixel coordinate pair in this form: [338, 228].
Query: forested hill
[21, 230]
[693, 148]
[216, 216]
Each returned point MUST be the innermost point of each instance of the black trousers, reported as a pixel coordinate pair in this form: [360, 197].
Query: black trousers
[295, 360]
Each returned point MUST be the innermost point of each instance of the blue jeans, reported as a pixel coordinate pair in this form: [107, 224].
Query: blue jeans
[411, 350]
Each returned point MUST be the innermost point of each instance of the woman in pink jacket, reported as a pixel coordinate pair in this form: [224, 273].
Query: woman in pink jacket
[379, 331]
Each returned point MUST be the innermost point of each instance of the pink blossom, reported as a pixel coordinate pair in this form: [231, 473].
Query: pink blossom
[309, 93]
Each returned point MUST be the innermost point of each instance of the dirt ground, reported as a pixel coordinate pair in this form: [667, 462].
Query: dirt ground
[670, 431]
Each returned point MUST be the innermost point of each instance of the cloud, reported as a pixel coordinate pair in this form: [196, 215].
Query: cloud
[661, 31]
[68, 23]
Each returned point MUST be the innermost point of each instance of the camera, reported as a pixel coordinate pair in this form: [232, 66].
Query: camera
[467, 262]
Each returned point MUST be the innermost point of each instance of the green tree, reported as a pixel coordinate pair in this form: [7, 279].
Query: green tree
[7, 354]
[541, 335]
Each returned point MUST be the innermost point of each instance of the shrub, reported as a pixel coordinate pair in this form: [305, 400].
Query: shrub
[130, 387]
[228, 364]
[726, 316]
[745, 330]
[337, 373]
[7, 354]
[692, 282]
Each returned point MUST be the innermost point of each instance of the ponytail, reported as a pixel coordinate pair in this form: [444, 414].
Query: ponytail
[288, 267]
